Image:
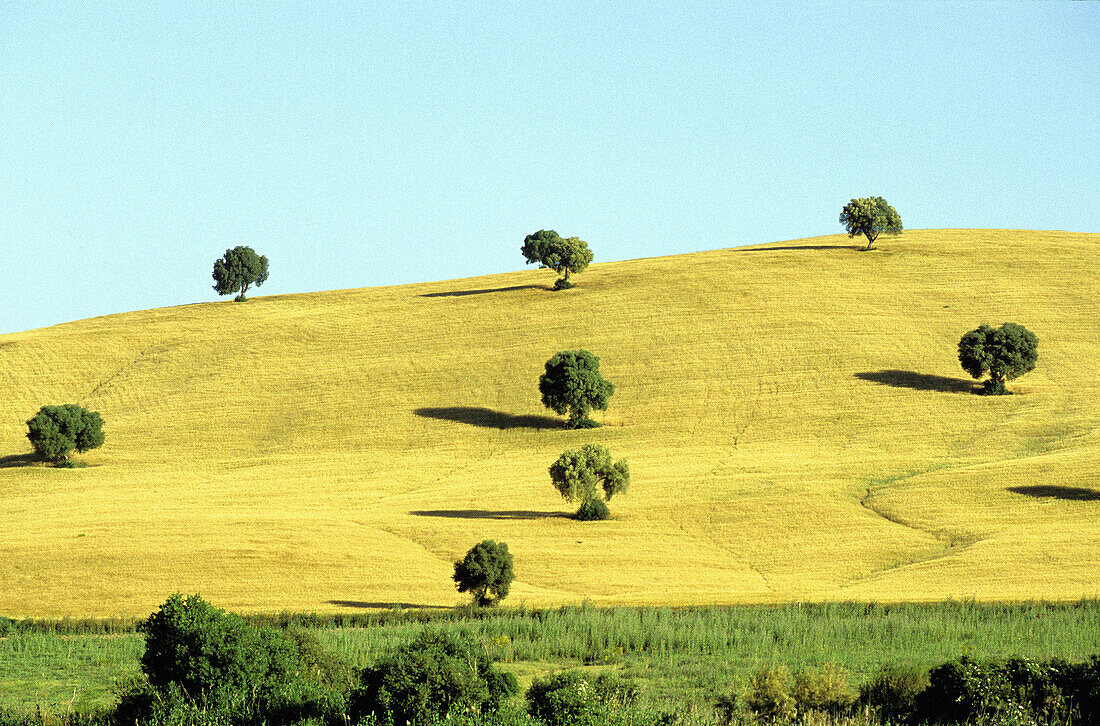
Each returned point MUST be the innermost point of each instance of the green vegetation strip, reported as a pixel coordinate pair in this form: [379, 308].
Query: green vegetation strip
[681, 657]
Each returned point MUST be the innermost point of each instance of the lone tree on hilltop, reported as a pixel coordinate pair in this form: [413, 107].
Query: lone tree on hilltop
[239, 268]
[572, 385]
[578, 475]
[486, 572]
[563, 256]
[55, 431]
[1005, 353]
[870, 217]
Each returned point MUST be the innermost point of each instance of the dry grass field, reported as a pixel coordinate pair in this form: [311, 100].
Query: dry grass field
[795, 418]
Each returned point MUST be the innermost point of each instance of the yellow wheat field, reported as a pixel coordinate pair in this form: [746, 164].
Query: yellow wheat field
[795, 418]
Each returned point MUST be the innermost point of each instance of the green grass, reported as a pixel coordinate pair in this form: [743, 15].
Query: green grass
[683, 658]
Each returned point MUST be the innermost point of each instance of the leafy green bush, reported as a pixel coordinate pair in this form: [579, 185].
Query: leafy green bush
[769, 695]
[893, 691]
[55, 431]
[437, 674]
[198, 658]
[572, 699]
[486, 571]
[572, 385]
[823, 691]
[592, 510]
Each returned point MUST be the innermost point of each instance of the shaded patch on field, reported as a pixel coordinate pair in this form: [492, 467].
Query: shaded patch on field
[488, 514]
[917, 381]
[801, 247]
[385, 605]
[463, 293]
[488, 418]
[14, 460]
[1054, 491]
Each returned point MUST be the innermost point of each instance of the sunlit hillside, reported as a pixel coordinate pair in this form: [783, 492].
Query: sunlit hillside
[795, 418]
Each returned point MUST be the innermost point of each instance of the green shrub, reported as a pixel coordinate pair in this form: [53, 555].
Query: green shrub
[893, 691]
[824, 691]
[571, 698]
[768, 694]
[56, 431]
[199, 658]
[436, 675]
[592, 510]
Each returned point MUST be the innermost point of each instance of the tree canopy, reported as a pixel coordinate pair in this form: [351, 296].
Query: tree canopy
[870, 217]
[239, 268]
[486, 572]
[1005, 353]
[56, 431]
[578, 475]
[572, 386]
[563, 256]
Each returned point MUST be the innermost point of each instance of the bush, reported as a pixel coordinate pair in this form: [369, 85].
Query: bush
[55, 431]
[571, 699]
[486, 571]
[893, 691]
[593, 510]
[227, 668]
[768, 694]
[824, 691]
[434, 676]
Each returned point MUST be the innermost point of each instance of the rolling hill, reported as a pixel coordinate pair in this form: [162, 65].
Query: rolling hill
[795, 418]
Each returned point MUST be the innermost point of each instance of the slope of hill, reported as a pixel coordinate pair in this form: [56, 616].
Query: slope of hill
[795, 418]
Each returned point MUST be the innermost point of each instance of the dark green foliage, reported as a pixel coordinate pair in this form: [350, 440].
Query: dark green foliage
[239, 268]
[870, 217]
[436, 675]
[823, 691]
[1005, 353]
[486, 572]
[893, 691]
[563, 256]
[55, 431]
[572, 385]
[593, 510]
[219, 662]
[573, 699]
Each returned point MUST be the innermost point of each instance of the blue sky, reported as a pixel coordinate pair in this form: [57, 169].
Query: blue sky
[375, 143]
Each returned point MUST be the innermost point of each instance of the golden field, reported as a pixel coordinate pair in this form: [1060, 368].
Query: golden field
[796, 421]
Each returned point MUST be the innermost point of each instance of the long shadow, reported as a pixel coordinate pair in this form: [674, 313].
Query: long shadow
[385, 605]
[800, 247]
[917, 381]
[487, 514]
[14, 460]
[1054, 491]
[488, 418]
[463, 293]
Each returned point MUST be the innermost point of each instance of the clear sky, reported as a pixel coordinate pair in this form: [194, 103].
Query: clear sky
[366, 144]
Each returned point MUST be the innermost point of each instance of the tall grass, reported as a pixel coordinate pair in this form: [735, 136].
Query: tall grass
[683, 658]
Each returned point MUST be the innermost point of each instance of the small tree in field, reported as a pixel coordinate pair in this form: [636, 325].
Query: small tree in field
[579, 475]
[56, 431]
[870, 217]
[486, 572]
[239, 268]
[563, 256]
[1005, 353]
[572, 385]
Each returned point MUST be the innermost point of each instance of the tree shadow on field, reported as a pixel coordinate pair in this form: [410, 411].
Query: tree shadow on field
[14, 460]
[917, 381]
[486, 514]
[1054, 491]
[464, 293]
[385, 605]
[488, 418]
[809, 248]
